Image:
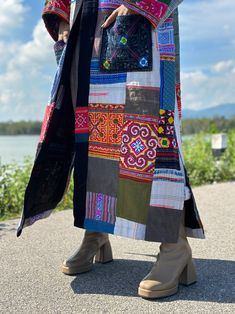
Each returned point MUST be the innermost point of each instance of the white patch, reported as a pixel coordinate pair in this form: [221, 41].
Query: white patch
[130, 229]
[108, 93]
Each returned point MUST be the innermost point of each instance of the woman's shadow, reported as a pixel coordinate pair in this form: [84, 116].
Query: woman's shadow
[121, 278]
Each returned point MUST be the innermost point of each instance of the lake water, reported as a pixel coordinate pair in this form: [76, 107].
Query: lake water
[15, 148]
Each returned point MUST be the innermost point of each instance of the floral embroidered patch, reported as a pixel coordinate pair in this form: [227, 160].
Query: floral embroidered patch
[127, 45]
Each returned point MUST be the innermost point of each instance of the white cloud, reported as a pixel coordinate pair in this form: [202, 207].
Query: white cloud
[11, 15]
[223, 66]
[201, 90]
[25, 83]
[194, 77]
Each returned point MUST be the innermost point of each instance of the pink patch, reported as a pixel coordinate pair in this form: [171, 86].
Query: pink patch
[155, 8]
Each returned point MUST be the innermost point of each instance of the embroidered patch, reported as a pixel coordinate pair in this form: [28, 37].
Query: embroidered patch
[81, 124]
[105, 128]
[127, 45]
[166, 128]
[46, 121]
[178, 96]
[166, 43]
[100, 207]
[138, 149]
[167, 150]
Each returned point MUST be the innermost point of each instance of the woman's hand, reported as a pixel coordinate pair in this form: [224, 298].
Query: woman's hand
[122, 10]
[63, 31]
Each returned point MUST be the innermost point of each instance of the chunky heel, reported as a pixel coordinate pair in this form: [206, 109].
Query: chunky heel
[188, 275]
[104, 254]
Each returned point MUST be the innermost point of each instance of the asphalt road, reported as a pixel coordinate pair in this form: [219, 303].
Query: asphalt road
[31, 280]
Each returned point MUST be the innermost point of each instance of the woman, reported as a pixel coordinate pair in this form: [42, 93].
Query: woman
[114, 116]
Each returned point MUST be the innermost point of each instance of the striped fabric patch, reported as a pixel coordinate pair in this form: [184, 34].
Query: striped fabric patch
[167, 189]
[102, 78]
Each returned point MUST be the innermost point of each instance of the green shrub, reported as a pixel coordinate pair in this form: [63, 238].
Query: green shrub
[202, 166]
[199, 160]
[13, 181]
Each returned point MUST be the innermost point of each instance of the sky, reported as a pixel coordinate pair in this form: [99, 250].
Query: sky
[27, 62]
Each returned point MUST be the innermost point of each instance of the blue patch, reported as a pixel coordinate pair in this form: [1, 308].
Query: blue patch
[98, 226]
[98, 77]
[167, 85]
[81, 137]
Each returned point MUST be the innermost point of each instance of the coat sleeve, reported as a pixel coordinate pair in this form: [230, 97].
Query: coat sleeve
[156, 11]
[54, 11]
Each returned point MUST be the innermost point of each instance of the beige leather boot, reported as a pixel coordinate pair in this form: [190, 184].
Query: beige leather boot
[174, 265]
[94, 244]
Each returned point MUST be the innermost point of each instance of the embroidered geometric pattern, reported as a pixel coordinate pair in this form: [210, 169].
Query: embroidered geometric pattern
[166, 44]
[81, 120]
[166, 128]
[127, 45]
[81, 124]
[167, 150]
[100, 207]
[178, 97]
[46, 121]
[138, 148]
[105, 128]
[153, 10]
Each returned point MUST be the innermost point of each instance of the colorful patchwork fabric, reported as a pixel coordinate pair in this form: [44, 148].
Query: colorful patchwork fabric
[114, 116]
[127, 45]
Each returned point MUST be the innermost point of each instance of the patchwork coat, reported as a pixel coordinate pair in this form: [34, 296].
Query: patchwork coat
[114, 118]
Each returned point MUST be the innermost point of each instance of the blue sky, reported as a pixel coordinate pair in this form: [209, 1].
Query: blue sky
[27, 62]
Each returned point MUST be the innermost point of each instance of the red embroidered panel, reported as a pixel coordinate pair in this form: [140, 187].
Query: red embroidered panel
[178, 95]
[47, 118]
[138, 149]
[81, 120]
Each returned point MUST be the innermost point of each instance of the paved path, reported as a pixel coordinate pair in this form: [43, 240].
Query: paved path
[31, 281]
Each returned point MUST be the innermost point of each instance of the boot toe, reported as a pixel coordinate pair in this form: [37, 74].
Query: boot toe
[150, 284]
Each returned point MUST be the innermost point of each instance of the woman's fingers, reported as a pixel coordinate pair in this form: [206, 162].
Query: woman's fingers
[63, 31]
[121, 10]
[110, 19]
[65, 36]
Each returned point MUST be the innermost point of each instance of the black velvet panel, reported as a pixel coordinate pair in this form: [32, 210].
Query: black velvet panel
[127, 45]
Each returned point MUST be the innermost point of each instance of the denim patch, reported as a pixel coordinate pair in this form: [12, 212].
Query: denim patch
[127, 45]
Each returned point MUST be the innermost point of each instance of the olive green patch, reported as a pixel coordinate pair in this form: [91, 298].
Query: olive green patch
[133, 200]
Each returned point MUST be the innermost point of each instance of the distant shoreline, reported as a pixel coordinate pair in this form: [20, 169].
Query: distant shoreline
[189, 126]
[33, 134]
